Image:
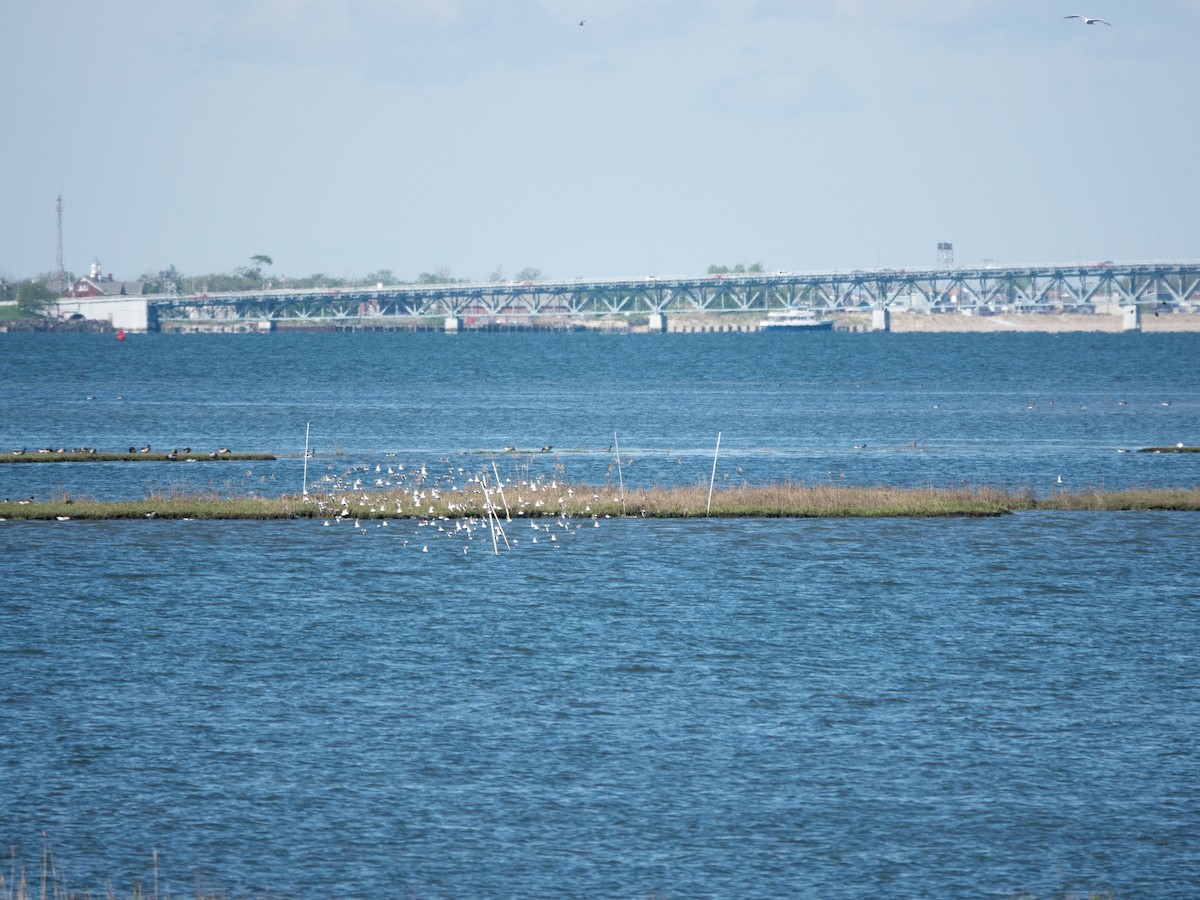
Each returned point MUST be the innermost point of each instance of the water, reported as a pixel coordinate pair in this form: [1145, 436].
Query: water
[692, 708]
[1021, 410]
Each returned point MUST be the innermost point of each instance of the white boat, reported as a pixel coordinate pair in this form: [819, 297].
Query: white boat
[794, 320]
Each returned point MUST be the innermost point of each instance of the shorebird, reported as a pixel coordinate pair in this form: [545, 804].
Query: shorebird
[1086, 20]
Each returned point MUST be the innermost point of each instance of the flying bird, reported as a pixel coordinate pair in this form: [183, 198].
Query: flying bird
[1086, 20]
[582, 22]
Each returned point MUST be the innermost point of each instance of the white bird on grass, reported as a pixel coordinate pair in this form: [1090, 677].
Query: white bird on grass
[1086, 20]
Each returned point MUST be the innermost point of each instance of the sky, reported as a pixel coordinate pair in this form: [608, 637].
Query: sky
[660, 137]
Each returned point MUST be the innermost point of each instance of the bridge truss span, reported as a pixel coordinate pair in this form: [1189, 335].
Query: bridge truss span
[1024, 288]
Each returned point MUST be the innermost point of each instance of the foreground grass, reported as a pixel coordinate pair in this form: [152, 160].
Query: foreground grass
[49, 880]
[583, 501]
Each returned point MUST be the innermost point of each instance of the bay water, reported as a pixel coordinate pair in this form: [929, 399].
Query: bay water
[960, 707]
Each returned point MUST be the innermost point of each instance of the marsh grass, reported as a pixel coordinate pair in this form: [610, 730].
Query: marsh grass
[50, 883]
[81, 456]
[583, 501]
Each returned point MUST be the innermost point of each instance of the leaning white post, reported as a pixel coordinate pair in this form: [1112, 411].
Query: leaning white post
[306, 427]
[712, 480]
[620, 477]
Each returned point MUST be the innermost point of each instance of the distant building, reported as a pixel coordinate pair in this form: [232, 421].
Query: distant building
[123, 303]
[99, 285]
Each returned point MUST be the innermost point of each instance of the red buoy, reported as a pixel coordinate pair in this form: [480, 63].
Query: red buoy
[120, 334]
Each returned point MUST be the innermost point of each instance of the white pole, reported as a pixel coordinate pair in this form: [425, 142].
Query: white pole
[491, 514]
[306, 427]
[500, 485]
[620, 477]
[496, 515]
[712, 480]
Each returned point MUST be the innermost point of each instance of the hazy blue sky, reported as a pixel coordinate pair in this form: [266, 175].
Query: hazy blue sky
[660, 137]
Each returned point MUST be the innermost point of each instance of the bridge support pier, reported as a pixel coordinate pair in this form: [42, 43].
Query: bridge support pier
[1132, 318]
[453, 324]
[881, 319]
[658, 323]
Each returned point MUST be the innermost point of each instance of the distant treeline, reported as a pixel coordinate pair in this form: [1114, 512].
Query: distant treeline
[35, 292]
[40, 289]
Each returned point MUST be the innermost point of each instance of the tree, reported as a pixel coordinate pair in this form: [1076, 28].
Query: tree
[34, 297]
[739, 269]
[437, 276]
[253, 273]
[383, 276]
[164, 281]
[528, 274]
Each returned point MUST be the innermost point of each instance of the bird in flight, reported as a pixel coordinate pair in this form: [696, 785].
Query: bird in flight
[1086, 20]
[582, 22]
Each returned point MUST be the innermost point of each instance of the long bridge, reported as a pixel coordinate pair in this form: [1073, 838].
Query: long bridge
[1075, 287]
[1017, 288]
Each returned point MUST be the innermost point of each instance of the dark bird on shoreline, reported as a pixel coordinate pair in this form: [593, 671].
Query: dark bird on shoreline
[1086, 20]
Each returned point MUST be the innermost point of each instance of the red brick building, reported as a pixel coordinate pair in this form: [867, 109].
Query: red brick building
[99, 285]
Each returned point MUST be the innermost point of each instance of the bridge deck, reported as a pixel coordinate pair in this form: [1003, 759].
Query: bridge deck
[1172, 285]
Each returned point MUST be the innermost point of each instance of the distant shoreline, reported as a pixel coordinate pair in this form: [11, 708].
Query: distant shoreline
[902, 321]
[1048, 322]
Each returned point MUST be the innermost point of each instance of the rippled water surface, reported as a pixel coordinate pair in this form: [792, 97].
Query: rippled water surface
[968, 707]
[1014, 409]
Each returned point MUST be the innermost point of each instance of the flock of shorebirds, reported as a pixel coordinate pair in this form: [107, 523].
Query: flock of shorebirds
[444, 505]
[173, 453]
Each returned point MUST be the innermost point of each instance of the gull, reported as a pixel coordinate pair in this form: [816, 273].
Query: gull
[1086, 20]
[582, 22]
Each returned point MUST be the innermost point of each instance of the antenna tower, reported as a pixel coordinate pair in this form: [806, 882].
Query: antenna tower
[60, 276]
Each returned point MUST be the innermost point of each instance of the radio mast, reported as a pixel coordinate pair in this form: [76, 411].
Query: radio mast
[60, 276]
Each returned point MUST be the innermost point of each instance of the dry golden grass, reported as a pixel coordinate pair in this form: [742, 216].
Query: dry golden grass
[582, 501]
[50, 881]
